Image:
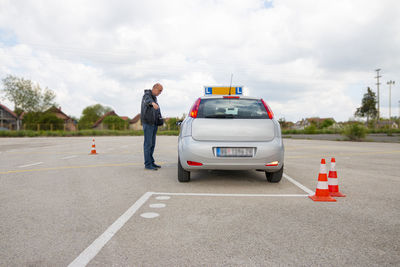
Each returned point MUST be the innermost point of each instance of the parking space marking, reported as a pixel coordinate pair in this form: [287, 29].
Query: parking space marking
[163, 198]
[93, 249]
[32, 164]
[149, 215]
[230, 195]
[302, 187]
[69, 157]
[157, 205]
[75, 167]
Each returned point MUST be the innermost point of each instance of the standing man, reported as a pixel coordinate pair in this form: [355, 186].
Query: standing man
[151, 118]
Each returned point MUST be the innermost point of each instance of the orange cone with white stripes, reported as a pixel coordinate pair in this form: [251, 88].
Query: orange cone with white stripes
[93, 151]
[322, 192]
[333, 183]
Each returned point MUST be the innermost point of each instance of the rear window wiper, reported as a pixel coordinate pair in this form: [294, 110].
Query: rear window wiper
[223, 116]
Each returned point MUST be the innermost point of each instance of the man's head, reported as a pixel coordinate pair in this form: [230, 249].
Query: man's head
[157, 89]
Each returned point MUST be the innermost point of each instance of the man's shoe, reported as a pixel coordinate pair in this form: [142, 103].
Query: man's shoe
[151, 168]
[157, 166]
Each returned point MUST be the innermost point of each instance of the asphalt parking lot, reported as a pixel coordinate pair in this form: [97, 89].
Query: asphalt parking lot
[60, 206]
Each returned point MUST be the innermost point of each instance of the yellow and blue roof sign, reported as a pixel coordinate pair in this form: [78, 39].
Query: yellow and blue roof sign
[223, 90]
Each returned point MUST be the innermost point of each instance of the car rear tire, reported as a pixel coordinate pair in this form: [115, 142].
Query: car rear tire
[274, 177]
[183, 175]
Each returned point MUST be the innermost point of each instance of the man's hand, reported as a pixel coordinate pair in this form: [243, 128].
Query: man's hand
[155, 106]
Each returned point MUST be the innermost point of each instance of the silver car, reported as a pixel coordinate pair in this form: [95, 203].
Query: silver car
[228, 132]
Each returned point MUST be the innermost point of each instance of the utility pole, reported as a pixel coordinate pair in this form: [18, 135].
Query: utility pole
[390, 83]
[377, 84]
[399, 114]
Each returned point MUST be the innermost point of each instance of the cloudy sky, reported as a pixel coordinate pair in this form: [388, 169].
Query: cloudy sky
[305, 58]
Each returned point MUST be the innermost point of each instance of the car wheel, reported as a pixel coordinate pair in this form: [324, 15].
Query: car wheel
[183, 175]
[274, 177]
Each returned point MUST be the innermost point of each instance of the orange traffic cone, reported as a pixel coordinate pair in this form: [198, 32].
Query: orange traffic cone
[93, 152]
[322, 192]
[333, 181]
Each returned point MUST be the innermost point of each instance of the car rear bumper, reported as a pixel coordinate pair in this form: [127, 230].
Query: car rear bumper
[202, 152]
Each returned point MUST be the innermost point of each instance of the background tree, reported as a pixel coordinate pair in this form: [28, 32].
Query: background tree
[27, 96]
[284, 124]
[46, 120]
[171, 124]
[115, 123]
[91, 114]
[326, 123]
[368, 106]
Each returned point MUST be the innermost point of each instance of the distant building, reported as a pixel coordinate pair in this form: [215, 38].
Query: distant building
[68, 122]
[99, 125]
[135, 123]
[300, 125]
[390, 124]
[8, 119]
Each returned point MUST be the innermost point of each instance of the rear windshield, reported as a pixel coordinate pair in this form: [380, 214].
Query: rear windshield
[234, 108]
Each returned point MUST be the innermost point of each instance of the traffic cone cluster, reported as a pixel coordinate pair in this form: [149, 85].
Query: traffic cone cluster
[333, 183]
[327, 186]
[93, 151]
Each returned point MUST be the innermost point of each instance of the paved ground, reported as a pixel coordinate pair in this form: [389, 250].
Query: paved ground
[394, 138]
[56, 200]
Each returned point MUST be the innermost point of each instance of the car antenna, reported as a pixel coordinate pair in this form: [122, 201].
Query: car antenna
[230, 86]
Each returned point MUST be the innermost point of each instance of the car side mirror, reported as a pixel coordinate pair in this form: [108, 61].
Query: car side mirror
[178, 123]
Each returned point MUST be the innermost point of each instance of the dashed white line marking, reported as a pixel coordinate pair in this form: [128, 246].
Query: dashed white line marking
[302, 187]
[91, 251]
[163, 198]
[69, 157]
[149, 215]
[157, 205]
[32, 164]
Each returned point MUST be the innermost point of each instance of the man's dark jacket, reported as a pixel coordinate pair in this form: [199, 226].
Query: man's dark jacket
[148, 114]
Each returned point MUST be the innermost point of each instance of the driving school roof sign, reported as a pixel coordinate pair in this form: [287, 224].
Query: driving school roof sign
[221, 90]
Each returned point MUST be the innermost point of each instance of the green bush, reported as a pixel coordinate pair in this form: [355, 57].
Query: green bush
[312, 129]
[115, 123]
[46, 121]
[355, 132]
[326, 123]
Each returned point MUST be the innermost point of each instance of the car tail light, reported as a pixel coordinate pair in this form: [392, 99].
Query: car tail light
[195, 108]
[231, 96]
[268, 109]
[194, 163]
[273, 163]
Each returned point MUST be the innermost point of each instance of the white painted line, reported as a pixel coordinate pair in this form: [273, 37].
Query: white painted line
[91, 251]
[230, 195]
[163, 198]
[157, 205]
[69, 157]
[33, 164]
[302, 187]
[149, 215]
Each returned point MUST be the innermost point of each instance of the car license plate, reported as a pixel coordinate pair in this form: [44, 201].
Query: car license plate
[234, 151]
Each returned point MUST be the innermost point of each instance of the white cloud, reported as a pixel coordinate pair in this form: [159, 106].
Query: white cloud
[306, 58]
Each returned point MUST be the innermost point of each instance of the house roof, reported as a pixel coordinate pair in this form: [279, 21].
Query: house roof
[9, 111]
[135, 119]
[111, 113]
[58, 110]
